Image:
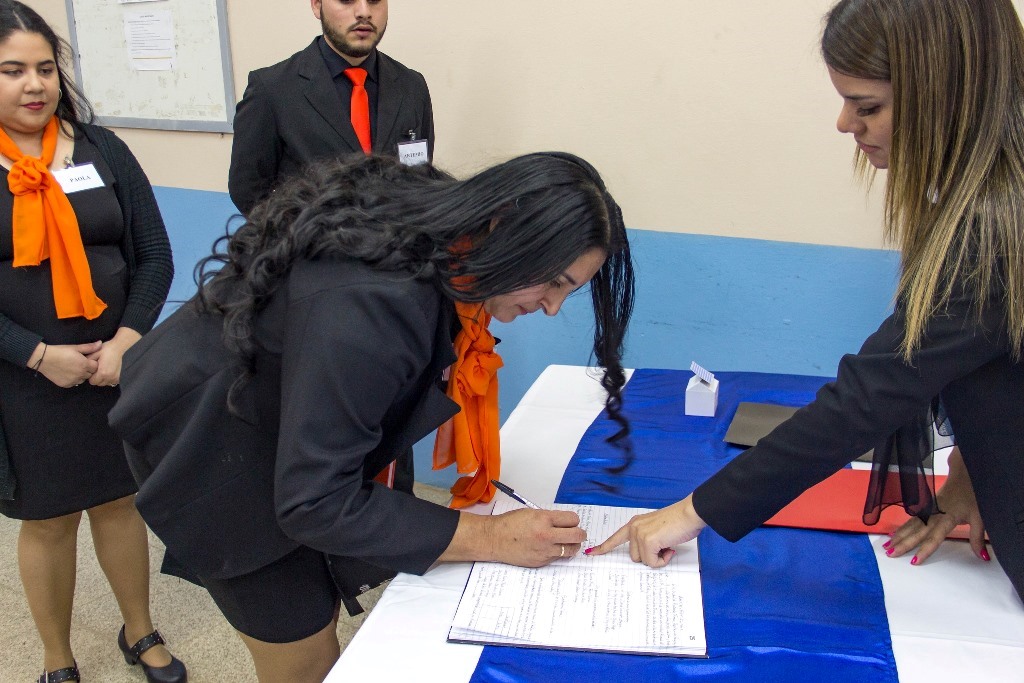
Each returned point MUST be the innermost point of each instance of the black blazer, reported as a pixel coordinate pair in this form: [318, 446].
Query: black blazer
[965, 360]
[345, 381]
[289, 116]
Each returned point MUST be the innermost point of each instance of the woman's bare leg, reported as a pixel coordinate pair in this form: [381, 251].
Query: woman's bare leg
[47, 559]
[305, 661]
[122, 547]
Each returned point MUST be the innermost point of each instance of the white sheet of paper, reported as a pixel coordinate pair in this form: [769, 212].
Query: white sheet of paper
[150, 40]
[605, 603]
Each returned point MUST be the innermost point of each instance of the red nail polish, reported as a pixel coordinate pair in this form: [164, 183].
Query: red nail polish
[914, 561]
[587, 551]
[887, 544]
[985, 556]
[890, 551]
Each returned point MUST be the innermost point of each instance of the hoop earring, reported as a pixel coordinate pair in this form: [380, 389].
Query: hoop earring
[60, 94]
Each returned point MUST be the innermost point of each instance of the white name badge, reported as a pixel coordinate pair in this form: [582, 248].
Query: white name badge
[78, 178]
[413, 152]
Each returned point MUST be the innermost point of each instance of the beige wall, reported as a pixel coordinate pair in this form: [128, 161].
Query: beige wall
[707, 117]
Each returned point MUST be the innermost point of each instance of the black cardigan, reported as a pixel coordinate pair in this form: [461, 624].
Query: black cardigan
[146, 251]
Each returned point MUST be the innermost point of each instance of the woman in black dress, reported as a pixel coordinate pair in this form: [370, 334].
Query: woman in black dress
[85, 265]
[933, 91]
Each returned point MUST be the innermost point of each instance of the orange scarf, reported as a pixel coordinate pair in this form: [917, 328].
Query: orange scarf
[470, 439]
[45, 227]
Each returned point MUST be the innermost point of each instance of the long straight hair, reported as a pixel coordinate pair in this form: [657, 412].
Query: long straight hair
[514, 225]
[73, 107]
[954, 198]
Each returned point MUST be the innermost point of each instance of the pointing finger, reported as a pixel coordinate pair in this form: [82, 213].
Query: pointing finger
[611, 543]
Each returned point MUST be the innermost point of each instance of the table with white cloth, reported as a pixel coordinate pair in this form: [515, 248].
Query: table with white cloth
[954, 618]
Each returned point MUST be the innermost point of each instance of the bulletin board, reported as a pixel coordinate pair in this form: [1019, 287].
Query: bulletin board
[163, 64]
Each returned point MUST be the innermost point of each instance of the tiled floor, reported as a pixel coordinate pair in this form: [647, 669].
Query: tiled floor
[184, 613]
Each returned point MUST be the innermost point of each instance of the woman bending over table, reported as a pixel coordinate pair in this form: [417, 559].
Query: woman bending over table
[933, 91]
[259, 414]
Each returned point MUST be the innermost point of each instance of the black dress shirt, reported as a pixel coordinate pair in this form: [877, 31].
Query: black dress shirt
[336, 65]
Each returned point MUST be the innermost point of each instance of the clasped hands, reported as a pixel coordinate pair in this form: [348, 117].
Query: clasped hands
[99, 363]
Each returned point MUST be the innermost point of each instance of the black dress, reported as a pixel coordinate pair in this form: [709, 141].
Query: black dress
[65, 456]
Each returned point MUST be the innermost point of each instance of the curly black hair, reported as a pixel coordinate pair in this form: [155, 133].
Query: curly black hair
[514, 225]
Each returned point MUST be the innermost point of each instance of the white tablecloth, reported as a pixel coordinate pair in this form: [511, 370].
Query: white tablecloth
[954, 618]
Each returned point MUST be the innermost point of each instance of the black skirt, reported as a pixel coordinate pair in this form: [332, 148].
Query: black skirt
[63, 453]
[285, 601]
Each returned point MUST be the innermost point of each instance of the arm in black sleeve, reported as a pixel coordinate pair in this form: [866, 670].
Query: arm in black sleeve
[347, 354]
[153, 266]
[255, 149]
[875, 393]
[16, 343]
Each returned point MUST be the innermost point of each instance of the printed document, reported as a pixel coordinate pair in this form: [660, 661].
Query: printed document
[606, 603]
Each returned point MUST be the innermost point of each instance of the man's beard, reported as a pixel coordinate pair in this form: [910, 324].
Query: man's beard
[341, 44]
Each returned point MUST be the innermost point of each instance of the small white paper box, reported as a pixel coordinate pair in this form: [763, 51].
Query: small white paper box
[701, 398]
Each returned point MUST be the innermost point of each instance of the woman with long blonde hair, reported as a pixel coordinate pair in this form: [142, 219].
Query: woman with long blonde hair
[933, 91]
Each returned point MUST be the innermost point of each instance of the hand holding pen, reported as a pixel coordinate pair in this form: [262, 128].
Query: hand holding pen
[526, 537]
[565, 550]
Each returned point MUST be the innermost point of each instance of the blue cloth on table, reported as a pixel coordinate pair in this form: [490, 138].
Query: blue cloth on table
[779, 605]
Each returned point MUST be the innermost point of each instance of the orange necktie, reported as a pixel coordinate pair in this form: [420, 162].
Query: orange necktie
[360, 108]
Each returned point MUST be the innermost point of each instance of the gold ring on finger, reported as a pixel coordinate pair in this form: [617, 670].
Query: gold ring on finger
[561, 553]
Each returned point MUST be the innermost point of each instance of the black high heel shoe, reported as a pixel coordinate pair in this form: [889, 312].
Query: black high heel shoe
[174, 672]
[68, 673]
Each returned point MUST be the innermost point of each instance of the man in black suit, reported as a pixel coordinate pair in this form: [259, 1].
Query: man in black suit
[298, 111]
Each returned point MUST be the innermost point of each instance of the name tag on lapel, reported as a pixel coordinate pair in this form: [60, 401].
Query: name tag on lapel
[413, 152]
[78, 178]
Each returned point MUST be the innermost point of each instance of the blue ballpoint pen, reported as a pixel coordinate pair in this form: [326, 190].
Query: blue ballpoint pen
[507, 490]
